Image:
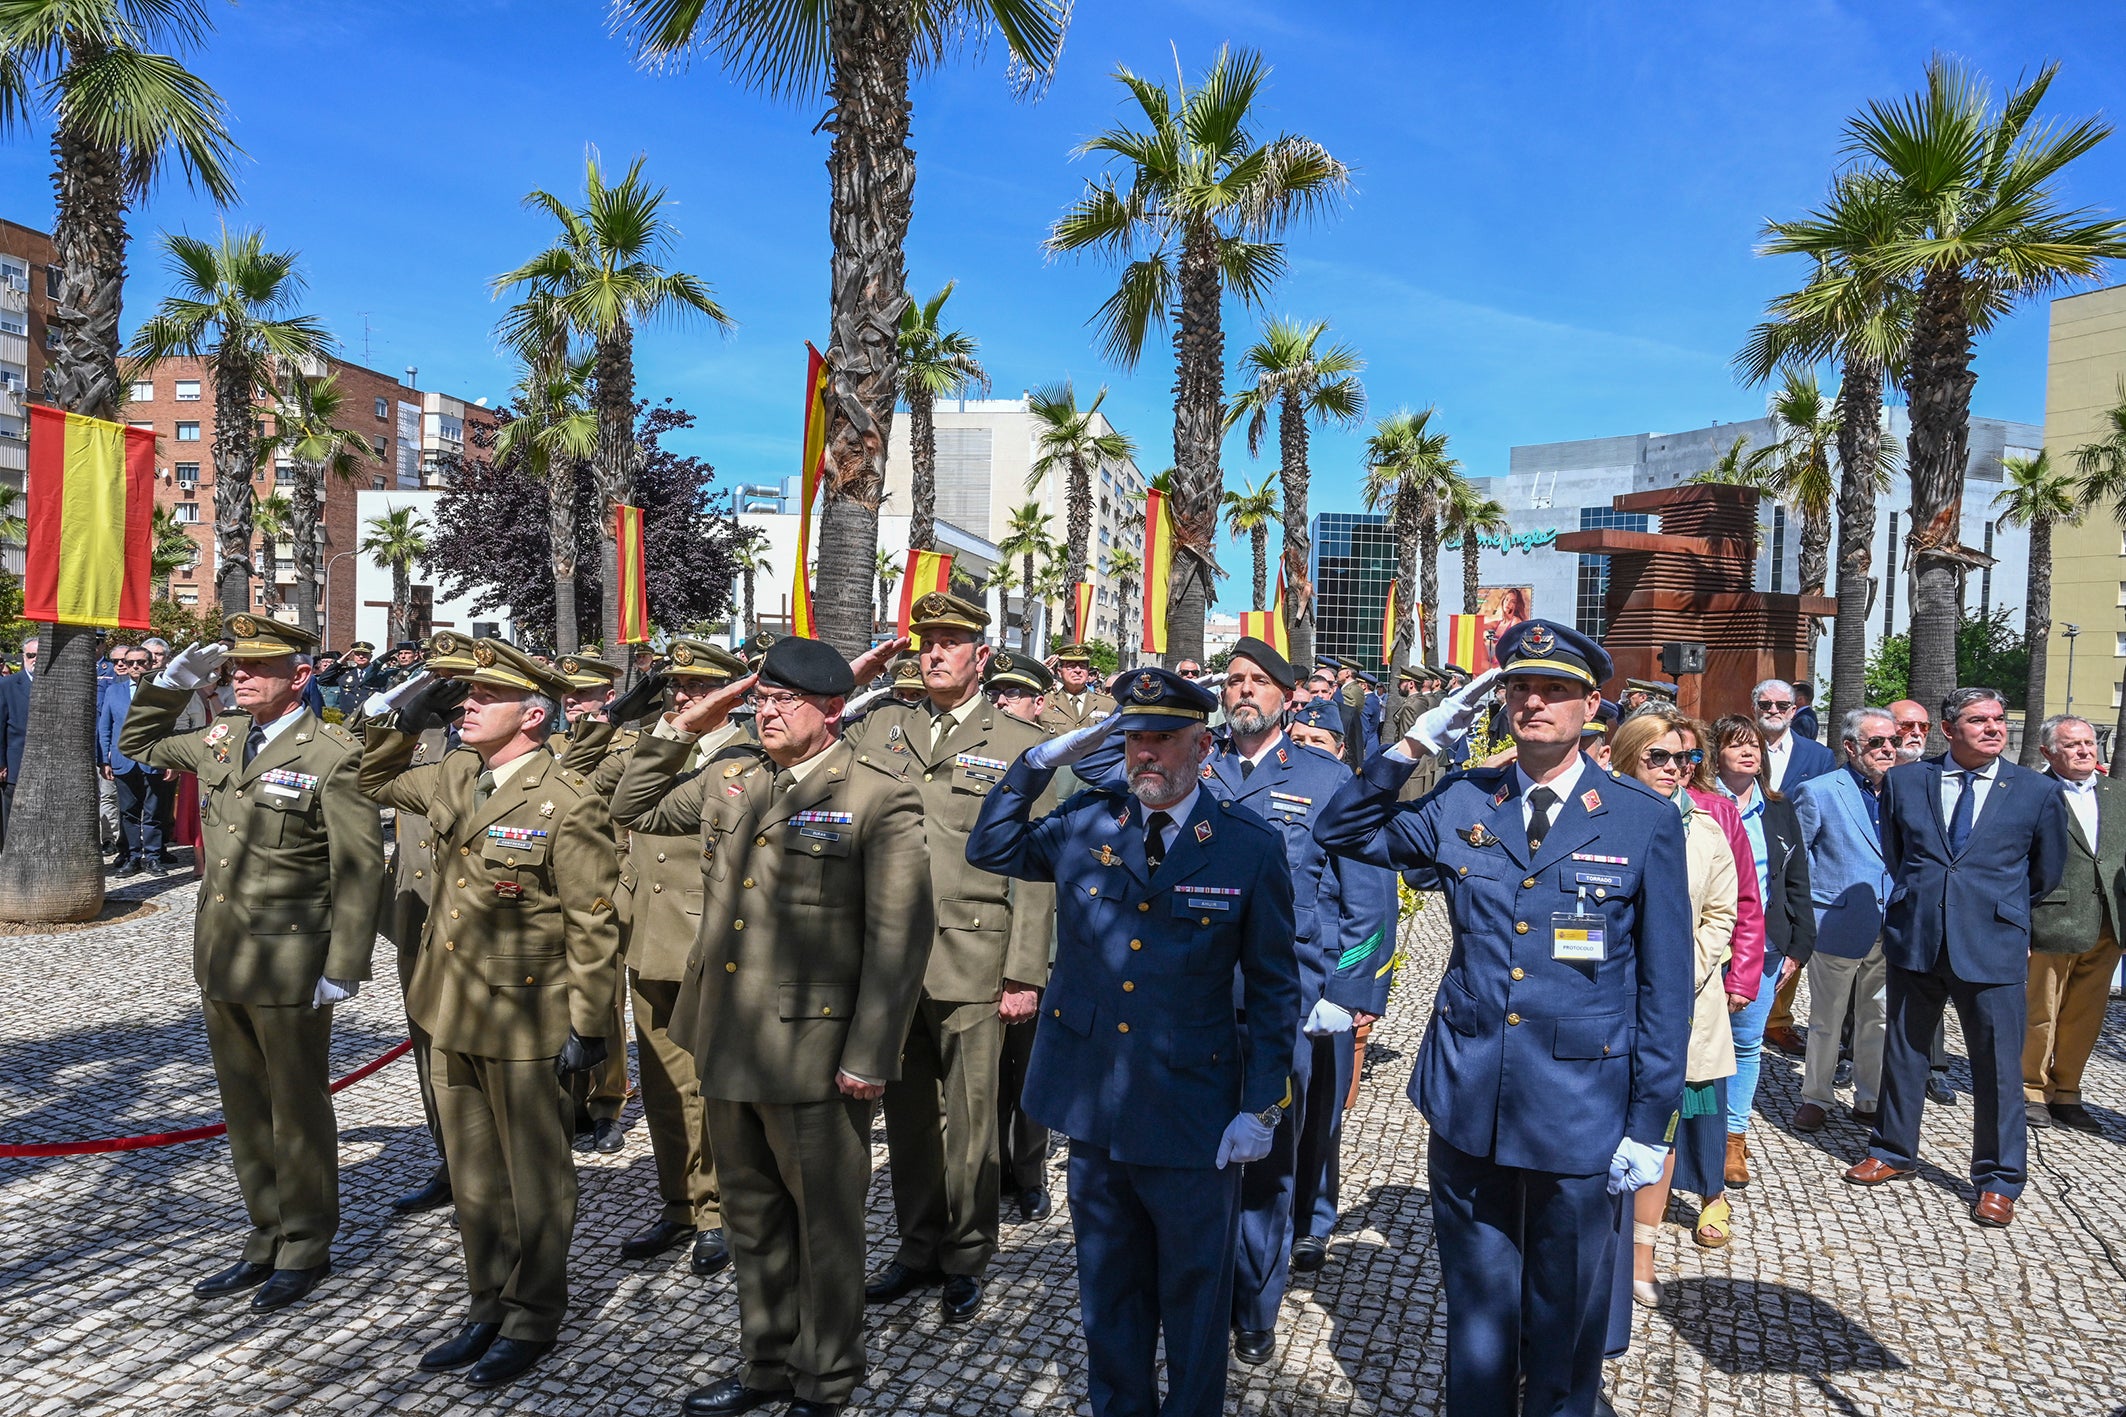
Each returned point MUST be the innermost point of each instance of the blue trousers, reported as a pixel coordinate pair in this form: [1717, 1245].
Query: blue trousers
[1317, 1190]
[1524, 1255]
[1748, 1028]
[1262, 1257]
[1155, 1254]
[1995, 1017]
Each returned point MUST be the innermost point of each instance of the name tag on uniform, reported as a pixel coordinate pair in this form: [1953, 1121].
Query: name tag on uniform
[1210, 897]
[1578, 939]
[278, 791]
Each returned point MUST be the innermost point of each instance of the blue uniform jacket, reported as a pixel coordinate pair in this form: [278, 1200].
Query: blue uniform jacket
[1139, 1049]
[1541, 1063]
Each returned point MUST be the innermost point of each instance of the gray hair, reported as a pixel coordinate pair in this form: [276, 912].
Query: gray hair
[1764, 684]
[156, 642]
[1849, 731]
[1956, 701]
[2050, 728]
[554, 718]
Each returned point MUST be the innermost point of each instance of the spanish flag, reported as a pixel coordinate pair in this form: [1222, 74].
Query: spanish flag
[814, 460]
[1084, 621]
[1268, 625]
[1387, 625]
[1465, 643]
[634, 581]
[90, 506]
[927, 572]
[1158, 568]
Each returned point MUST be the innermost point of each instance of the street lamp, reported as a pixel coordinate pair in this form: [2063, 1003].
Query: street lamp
[2071, 632]
[329, 564]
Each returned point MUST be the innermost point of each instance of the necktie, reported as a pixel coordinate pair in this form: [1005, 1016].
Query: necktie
[940, 725]
[1966, 809]
[253, 741]
[1155, 839]
[1540, 801]
[482, 789]
[1247, 768]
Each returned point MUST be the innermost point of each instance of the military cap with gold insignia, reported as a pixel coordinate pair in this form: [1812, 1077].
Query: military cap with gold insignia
[756, 647]
[698, 659]
[939, 611]
[908, 672]
[450, 653]
[1160, 701]
[584, 672]
[1074, 654]
[361, 647]
[262, 637]
[1018, 671]
[501, 665]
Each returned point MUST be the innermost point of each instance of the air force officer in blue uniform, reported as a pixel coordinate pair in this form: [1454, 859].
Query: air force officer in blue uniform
[1552, 1069]
[1141, 1058]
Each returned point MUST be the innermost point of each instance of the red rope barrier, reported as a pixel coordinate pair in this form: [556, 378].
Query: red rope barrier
[155, 1139]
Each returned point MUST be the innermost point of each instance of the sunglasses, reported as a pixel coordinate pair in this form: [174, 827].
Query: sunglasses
[1880, 740]
[134, 663]
[1775, 705]
[1661, 757]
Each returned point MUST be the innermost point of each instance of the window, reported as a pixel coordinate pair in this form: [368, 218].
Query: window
[188, 511]
[1779, 548]
[188, 432]
[2118, 647]
[51, 337]
[259, 476]
[188, 391]
[143, 391]
[1591, 612]
[188, 474]
[383, 408]
[51, 282]
[2118, 691]
[188, 594]
[2122, 592]
[15, 274]
[10, 326]
[376, 484]
[380, 444]
[147, 426]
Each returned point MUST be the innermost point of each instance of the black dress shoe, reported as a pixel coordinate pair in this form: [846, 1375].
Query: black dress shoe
[2075, 1115]
[812, 1407]
[710, 1253]
[433, 1196]
[608, 1136]
[1034, 1205]
[1308, 1253]
[467, 1347]
[1253, 1346]
[239, 1276]
[896, 1280]
[960, 1299]
[508, 1360]
[155, 868]
[662, 1235]
[288, 1285]
[1843, 1076]
[1938, 1090]
[726, 1399]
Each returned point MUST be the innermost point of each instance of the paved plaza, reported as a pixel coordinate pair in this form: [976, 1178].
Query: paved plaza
[1829, 1300]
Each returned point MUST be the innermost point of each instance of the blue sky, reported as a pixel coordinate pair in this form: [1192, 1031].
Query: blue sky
[1550, 238]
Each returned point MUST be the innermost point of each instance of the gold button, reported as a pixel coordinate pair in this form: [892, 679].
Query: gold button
[424, 843]
[462, 851]
[1057, 1012]
[1520, 927]
[1144, 905]
[1605, 1049]
[748, 883]
[461, 881]
[232, 828]
[1513, 1018]
[221, 898]
[225, 861]
[419, 875]
[509, 860]
[1092, 890]
[1121, 1028]
[660, 856]
[1463, 869]
[292, 929]
[926, 778]
[453, 914]
[1128, 987]
[239, 792]
[731, 967]
[1600, 893]
[450, 944]
[1136, 944]
[656, 887]
[975, 924]
[529, 980]
[738, 924]
[1517, 974]
[760, 841]
[815, 848]
[1203, 920]
[826, 1011]
[1529, 884]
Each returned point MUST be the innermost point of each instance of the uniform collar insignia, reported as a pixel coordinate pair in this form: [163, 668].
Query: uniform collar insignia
[1205, 771]
[1499, 798]
[1281, 758]
[1203, 831]
[546, 809]
[1591, 800]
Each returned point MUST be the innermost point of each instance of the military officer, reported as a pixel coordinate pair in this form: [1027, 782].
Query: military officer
[1638, 693]
[1551, 1068]
[286, 922]
[1019, 685]
[986, 966]
[514, 983]
[1077, 700]
[594, 744]
[908, 679]
[816, 926]
[756, 648]
[1141, 1059]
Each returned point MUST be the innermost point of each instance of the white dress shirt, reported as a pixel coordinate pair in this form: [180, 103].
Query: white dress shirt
[1778, 757]
[1562, 784]
[1178, 813]
[280, 725]
[1952, 787]
[2081, 800]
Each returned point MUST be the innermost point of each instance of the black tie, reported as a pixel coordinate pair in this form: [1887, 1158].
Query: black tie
[1155, 839]
[253, 741]
[1247, 768]
[1540, 801]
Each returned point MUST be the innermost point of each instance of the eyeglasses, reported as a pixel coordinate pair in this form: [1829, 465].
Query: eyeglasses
[1913, 725]
[1880, 740]
[134, 663]
[775, 703]
[1775, 705]
[1661, 757]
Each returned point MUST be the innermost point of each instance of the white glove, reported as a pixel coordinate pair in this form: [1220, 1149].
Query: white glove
[333, 991]
[1636, 1164]
[192, 666]
[1326, 1018]
[1073, 746]
[377, 705]
[1245, 1139]
[1455, 712]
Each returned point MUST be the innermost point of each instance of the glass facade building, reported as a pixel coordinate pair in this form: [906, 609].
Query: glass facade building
[1590, 614]
[1352, 566]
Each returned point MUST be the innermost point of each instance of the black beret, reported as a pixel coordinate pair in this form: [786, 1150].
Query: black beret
[1266, 658]
[807, 666]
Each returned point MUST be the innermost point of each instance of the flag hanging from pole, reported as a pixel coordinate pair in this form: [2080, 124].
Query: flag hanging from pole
[927, 572]
[1158, 568]
[91, 504]
[814, 461]
[1466, 647]
[1387, 626]
[1085, 611]
[634, 579]
[1268, 625]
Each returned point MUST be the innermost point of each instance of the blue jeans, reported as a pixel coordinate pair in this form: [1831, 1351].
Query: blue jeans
[1748, 1026]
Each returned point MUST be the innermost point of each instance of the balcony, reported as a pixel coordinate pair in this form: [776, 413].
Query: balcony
[11, 401]
[14, 455]
[15, 349]
[14, 300]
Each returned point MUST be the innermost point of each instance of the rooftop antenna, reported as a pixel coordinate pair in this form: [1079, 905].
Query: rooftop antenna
[365, 338]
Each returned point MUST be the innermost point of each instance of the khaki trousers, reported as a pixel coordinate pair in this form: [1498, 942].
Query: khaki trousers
[1835, 985]
[2067, 998]
[941, 1137]
[1782, 1014]
[671, 1107]
[794, 1176]
[271, 1063]
[409, 956]
[505, 1131]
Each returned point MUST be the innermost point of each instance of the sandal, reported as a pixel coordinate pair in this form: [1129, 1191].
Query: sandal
[1715, 1224]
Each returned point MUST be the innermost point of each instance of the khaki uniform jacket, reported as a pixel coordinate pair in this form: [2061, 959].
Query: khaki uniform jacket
[1058, 716]
[521, 944]
[2092, 893]
[815, 922]
[290, 855]
[989, 928]
[413, 865]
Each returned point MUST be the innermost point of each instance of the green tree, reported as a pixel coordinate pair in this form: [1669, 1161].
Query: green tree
[554, 431]
[307, 433]
[2101, 466]
[1127, 567]
[395, 541]
[1068, 438]
[269, 519]
[1290, 371]
[1470, 515]
[170, 549]
[750, 550]
[860, 55]
[886, 571]
[1188, 210]
[1989, 651]
[2040, 497]
[1250, 514]
[1409, 474]
[935, 363]
[602, 280]
[1026, 540]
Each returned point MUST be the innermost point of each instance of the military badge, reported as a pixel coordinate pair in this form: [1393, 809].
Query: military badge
[570, 665]
[215, 734]
[1281, 758]
[682, 655]
[1105, 855]
[1475, 834]
[1591, 800]
[1148, 688]
[508, 890]
[1540, 639]
[1203, 831]
[242, 626]
[546, 809]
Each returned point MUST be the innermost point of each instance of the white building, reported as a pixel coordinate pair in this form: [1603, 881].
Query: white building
[372, 594]
[972, 561]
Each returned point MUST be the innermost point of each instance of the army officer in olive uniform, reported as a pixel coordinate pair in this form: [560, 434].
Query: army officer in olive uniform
[289, 856]
[816, 925]
[597, 748]
[1077, 698]
[514, 984]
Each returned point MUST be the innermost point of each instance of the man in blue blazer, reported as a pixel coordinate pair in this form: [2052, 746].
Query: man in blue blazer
[1142, 1059]
[1552, 1069]
[14, 727]
[140, 787]
[1789, 758]
[1971, 841]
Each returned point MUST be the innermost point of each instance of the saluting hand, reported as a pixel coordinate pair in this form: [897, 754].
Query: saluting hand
[1455, 713]
[873, 661]
[192, 665]
[711, 710]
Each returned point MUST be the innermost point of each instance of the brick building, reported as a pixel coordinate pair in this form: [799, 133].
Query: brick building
[28, 282]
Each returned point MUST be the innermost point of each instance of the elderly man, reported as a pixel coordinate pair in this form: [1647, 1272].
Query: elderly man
[1914, 723]
[1789, 759]
[1078, 699]
[143, 788]
[2074, 931]
[287, 920]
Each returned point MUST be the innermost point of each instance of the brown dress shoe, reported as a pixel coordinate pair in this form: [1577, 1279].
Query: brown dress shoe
[1994, 1210]
[1873, 1172]
[1787, 1041]
[1808, 1117]
[1738, 1159]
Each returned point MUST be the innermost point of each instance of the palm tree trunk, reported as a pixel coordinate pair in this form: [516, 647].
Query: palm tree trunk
[871, 175]
[302, 526]
[1472, 576]
[923, 461]
[2037, 632]
[1026, 598]
[1424, 606]
[1298, 591]
[1128, 636]
[235, 442]
[401, 600]
[752, 620]
[1859, 450]
[1938, 387]
[561, 550]
[1199, 484]
[613, 377]
[1078, 511]
[1407, 542]
[1261, 535]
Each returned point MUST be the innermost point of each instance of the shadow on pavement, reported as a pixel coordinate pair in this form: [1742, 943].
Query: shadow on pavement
[1747, 1326]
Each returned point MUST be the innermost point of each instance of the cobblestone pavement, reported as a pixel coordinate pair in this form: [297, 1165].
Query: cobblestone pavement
[1829, 1300]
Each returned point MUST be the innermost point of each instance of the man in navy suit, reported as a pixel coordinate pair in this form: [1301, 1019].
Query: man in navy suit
[1789, 758]
[14, 726]
[1141, 1057]
[1552, 1070]
[1971, 841]
[140, 787]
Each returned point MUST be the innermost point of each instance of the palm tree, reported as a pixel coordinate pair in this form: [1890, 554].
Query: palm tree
[230, 308]
[554, 431]
[396, 540]
[1127, 568]
[306, 432]
[170, 547]
[601, 281]
[15, 527]
[1796, 468]
[861, 57]
[2101, 466]
[1470, 515]
[121, 111]
[935, 363]
[886, 571]
[1984, 230]
[1409, 473]
[2040, 497]
[1251, 514]
[1304, 382]
[269, 518]
[1026, 538]
[1068, 437]
[1191, 218]
[749, 548]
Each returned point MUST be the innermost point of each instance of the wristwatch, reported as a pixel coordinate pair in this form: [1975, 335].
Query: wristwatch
[1271, 1115]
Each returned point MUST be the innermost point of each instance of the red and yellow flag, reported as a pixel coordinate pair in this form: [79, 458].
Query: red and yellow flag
[1387, 625]
[814, 461]
[90, 509]
[1084, 622]
[1465, 643]
[1268, 625]
[1158, 568]
[634, 580]
[926, 572]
